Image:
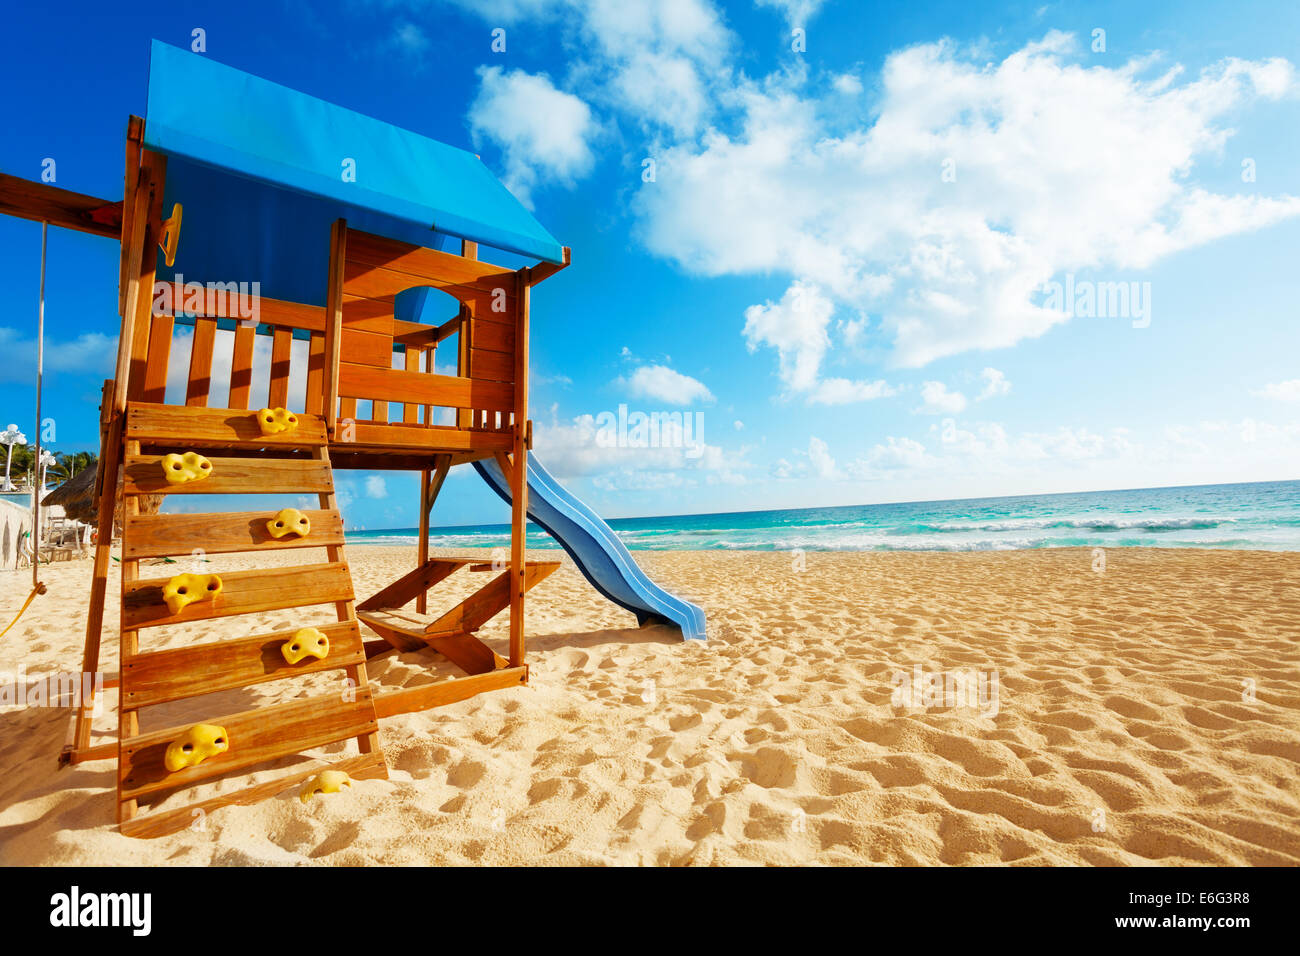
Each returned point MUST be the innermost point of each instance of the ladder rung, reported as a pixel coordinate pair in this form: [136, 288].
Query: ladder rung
[242, 592]
[163, 535]
[215, 427]
[256, 736]
[161, 676]
[363, 767]
[231, 476]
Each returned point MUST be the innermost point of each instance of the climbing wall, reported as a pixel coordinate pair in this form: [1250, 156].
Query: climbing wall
[194, 451]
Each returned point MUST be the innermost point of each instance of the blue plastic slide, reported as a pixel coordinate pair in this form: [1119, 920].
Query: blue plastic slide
[602, 558]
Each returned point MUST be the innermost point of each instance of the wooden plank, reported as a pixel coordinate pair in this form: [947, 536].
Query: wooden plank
[154, 173]
[166, 535]
[544, 270]
[493, 336]
[437, 438]
[368, 315]
[196, 669]
[136, 269]
[384, 285]
[200, 379]
[199, 427]
[367, 348]
[160, 346]
[131, 172]
[519, 487]
[464, 650]
[281, 352]
[230, 476]
[488, 601]
[110, 451]
[151, 825]
[41, 202]
[223, 304]
[495, 366]
[360, 381]
[241, 366]
[316, 374]
[411, 410]
[412, 699]
[256, 736]
[334, 320]
[243, 592]
[429, 265]
[412, 583]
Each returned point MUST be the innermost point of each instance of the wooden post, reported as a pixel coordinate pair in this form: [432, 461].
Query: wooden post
[430, 486]
[519, 474]
[153, 176]
[334, 321]
[110, 450]
[422, 549]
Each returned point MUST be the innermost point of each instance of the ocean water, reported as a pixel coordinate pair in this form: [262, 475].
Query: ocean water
[1261, 515]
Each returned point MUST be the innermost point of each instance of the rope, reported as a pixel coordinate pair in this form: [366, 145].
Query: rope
[39, 589]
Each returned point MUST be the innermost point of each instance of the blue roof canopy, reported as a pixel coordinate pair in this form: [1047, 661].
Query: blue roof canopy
[260, 169]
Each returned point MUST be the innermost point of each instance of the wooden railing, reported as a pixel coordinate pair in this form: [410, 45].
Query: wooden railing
[388, 389]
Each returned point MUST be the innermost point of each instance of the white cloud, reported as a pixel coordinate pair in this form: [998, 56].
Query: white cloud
[375, 487]
[843, 391]
[823, 465]
[1288, 391]
[796, 327]
[542, 132]
[938, 400]
[91, 352]
[797, 12]
[995, 384]
[575, 449]
[848, 84]
[1059, 167]
[816, 462]
[738, 425]
[660, 383]
[654, 62]
[409, 39]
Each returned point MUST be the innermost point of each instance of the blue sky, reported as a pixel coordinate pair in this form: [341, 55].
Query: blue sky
[843, 259]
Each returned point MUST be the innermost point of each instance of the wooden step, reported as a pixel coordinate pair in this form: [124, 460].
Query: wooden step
[256, 737]
[196, 427]
[158, 677]
[369, 766]
[242, 592]
[165, 535]
[232, 476]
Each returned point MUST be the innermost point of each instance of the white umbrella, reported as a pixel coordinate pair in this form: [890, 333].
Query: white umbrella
[9, 437]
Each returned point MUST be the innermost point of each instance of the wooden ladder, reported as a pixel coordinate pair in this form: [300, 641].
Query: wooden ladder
[244, 461]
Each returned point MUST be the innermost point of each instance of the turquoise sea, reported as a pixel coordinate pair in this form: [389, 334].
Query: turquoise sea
[1260, 515]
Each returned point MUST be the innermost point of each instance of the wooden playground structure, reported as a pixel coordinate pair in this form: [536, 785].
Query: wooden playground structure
[361, 358]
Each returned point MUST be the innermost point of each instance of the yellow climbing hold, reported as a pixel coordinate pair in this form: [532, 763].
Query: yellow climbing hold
[306, 642]
[185, 589]
[289, 521]
[273, 421]
[327, 781]
[195, 746]
[190, 466]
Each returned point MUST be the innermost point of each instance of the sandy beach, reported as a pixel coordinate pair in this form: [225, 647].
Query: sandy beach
[1147, 714]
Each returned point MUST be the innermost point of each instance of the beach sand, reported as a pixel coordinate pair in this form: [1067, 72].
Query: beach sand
[1147, 714]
